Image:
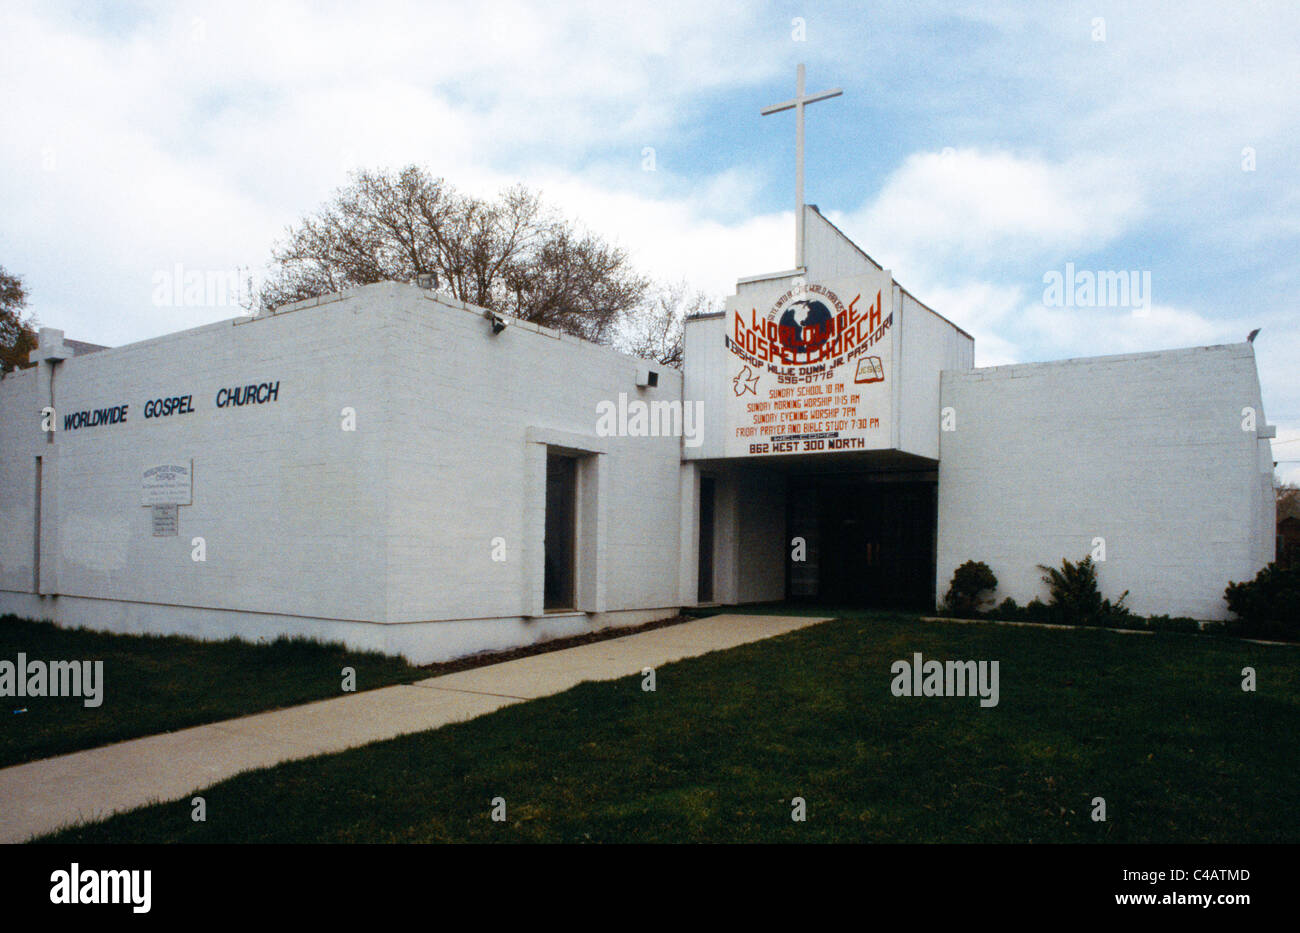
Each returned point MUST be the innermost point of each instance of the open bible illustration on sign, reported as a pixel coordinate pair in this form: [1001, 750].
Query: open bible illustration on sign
[870, 369]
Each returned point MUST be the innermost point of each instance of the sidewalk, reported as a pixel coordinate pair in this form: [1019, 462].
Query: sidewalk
[44, 795]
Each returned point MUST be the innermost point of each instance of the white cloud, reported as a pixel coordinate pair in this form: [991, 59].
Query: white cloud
[968, 208]
[675, 238]
[983, 310]
[1011, 325]
[1102, 331]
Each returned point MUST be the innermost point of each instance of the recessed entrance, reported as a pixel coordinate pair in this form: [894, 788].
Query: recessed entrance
[869, 541]
[561, 532]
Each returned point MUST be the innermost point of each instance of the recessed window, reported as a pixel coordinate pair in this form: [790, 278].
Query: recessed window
[561, 532]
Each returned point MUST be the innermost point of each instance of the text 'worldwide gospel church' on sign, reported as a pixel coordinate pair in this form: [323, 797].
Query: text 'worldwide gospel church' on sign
[811, 368]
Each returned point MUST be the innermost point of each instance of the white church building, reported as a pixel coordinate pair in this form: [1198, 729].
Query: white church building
[396, 470]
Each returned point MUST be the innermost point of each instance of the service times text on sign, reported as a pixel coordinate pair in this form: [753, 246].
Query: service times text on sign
[811, 372]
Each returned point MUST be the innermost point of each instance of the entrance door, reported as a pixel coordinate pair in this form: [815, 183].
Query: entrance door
[36, 531]
[561, 532]
[874, 542]
[707, 500]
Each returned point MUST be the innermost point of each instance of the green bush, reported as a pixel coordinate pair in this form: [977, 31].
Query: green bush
[969, 582]
[1008, 610]
[1075, 598]
[1268, 606]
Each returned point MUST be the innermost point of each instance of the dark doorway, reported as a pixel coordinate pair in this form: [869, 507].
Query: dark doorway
[707, 502]
[871, 542]
[561, 531]
[36, 532]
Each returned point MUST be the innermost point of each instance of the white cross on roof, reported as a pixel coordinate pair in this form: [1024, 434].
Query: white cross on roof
[800, 101]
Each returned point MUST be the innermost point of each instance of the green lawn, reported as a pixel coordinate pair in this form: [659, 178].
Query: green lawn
[1156, 724]
[156, 683]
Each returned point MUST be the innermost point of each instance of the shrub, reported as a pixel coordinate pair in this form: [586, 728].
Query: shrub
[1267, 606]
[969, 581]
[1075, 598]
[1037, 611]
[1011, 611]
[1008, 610]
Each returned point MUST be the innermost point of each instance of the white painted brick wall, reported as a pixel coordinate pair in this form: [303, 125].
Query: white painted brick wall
[394, 523]
[1144, 450]
[290, 506]
[929, 345]
[20, 443]
[461, 476]
[391, 523]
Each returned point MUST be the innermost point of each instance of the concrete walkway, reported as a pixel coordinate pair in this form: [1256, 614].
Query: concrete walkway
[44, 795]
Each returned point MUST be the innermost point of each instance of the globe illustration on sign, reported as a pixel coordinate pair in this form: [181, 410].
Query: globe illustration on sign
[805, 325]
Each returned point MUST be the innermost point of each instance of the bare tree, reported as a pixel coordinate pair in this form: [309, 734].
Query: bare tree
[511, 255]
[653, 330]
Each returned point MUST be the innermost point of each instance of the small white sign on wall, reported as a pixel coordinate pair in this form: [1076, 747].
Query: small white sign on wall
[170, 483]
[165, 520]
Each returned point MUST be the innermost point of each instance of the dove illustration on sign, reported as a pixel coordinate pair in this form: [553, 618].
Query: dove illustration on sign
[744, 382]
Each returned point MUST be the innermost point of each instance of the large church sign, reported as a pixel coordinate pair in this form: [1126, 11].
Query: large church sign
[812, 368]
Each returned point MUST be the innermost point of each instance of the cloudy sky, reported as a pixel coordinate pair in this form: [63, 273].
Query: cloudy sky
[977, 149]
